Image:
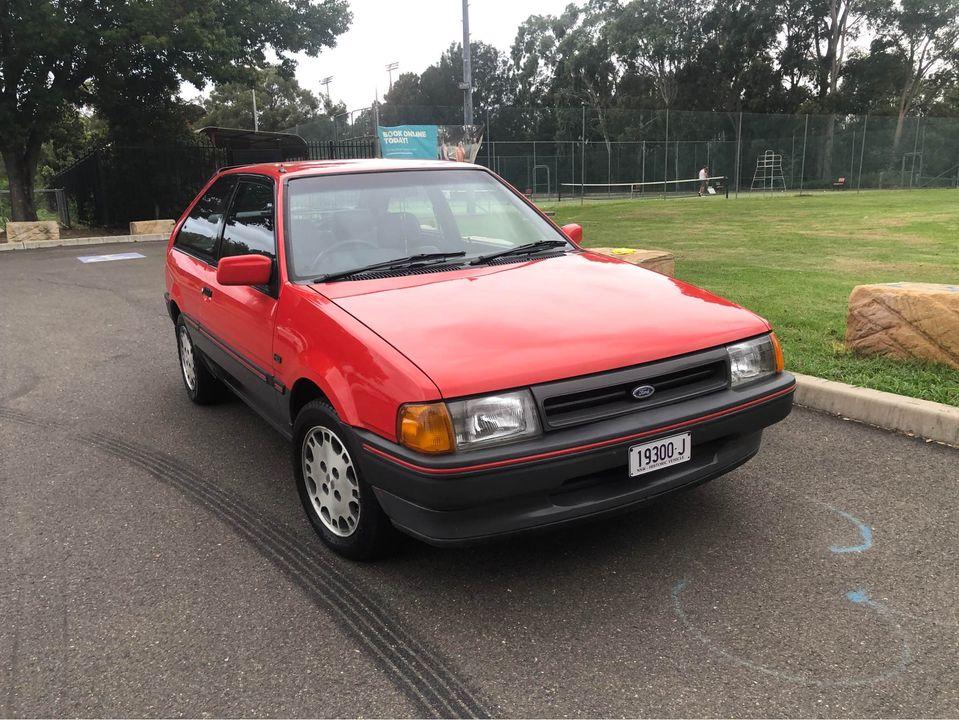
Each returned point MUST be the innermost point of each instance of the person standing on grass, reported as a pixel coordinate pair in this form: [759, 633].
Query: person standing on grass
[703, 180]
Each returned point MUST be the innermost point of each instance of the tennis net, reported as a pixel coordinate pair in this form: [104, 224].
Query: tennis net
[716, 186]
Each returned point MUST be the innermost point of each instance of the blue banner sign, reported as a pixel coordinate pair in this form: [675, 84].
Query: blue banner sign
[410, 142]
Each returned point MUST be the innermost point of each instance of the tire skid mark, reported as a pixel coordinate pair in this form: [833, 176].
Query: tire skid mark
[422, 675]
[376, 630]
[22, 418]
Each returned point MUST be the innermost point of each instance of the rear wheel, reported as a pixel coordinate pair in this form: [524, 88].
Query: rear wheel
[201, 385]
[341, 506]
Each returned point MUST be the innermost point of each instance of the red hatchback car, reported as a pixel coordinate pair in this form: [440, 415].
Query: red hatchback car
[447, 361]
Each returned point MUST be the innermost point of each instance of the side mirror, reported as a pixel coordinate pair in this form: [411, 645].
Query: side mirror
[574, 232]
[244, 270]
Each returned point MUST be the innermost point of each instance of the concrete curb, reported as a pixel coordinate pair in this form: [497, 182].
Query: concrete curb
[64, 242]
[931, 420]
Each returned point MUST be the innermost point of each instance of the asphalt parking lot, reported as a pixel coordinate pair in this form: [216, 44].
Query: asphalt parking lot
[156, 561]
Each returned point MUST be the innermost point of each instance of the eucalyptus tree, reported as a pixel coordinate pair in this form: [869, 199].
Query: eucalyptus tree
[925, 33]
[55, 54]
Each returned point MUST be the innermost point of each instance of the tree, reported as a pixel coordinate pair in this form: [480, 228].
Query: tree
[535, 56]
[60, 53]
[734, 69]
[871, 80]
[836, 23]
[794, 55]
[435, 96]
[659, 38]
[566, 61]
[280, 102]
[926, 35]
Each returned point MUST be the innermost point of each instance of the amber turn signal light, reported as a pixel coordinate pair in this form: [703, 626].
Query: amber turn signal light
[777, 348]
[426, 428]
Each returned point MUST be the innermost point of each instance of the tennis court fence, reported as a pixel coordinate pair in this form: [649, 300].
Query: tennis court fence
[549, 152]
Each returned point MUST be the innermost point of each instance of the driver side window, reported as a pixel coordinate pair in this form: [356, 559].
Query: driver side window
[250, 223]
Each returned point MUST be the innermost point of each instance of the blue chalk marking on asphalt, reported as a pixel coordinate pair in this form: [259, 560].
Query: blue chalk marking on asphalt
[864, 531]
[859, 597]
[109, 258]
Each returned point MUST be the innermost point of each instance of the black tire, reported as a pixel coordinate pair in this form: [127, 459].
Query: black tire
[205, 389]
[371, 536]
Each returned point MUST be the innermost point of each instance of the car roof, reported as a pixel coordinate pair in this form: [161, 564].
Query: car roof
[329, 167]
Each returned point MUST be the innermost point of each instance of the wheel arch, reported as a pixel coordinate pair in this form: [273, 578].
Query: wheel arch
[304, 391]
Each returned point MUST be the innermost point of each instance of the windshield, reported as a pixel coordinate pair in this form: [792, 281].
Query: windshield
[338, 223]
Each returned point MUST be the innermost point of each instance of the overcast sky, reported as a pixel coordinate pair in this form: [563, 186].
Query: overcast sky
[413, 33]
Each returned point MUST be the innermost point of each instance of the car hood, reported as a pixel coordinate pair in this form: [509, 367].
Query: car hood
[493, 328]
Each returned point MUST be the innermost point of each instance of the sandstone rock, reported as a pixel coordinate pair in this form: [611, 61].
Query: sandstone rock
[152, 227]
[905, 320]
[33, 231]
[658, 260]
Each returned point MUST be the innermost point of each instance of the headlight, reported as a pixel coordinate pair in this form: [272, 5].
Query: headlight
[468, 424]
[754, 359]
[494, 419]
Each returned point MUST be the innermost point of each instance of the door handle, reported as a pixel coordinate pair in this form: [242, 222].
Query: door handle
[206, 292]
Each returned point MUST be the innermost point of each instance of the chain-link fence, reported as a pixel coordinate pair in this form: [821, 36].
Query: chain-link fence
[558, 151]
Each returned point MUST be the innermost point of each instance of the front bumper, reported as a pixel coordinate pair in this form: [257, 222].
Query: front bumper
[570, 474]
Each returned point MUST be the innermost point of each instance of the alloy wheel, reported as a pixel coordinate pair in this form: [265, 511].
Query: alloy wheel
[187, 358]
[331, 482]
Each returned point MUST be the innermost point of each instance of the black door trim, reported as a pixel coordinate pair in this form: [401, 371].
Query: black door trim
[255, 369]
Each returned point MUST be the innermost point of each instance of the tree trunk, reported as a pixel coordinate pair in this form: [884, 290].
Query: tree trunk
[826, 162]
[21, 166]
[905, 104]
[900, 127]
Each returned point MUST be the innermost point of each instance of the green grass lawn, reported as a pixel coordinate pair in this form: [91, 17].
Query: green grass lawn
[794, 260]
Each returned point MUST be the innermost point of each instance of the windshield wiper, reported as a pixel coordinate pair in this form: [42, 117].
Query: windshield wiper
[527, 249]
[403, 262]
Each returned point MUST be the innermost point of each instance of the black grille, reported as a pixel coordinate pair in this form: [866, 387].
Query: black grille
[598, 397]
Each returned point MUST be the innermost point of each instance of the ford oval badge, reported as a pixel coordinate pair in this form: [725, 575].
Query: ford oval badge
[641, 392]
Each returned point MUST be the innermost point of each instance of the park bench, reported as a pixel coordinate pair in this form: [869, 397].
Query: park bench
[840, 184]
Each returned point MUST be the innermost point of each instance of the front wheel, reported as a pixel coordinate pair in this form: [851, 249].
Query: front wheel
[339, 503]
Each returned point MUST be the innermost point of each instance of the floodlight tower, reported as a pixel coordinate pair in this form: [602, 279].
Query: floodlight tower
[390, 68]
[326, 83]
[467, 85]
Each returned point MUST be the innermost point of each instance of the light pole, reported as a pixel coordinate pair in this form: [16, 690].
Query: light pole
[390, 68]
[326, 83]
[467, 85]
[256, 120]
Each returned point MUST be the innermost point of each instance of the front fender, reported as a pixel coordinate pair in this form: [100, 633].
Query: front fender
[364, 377]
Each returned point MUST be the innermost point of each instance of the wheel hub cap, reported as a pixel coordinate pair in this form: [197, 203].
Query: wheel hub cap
[331, 481]
[187, 361]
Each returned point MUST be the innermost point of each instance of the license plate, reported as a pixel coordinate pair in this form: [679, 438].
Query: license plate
[659, 454]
